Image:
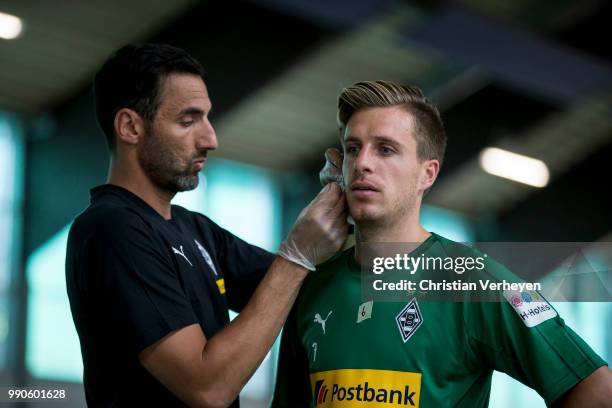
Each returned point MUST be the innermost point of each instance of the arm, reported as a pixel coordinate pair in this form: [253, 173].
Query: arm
[547, 356]
[593, 391]
[211, 372]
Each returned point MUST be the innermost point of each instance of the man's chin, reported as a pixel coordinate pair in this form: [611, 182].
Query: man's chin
[365, 216]
[186, 182]
[189, 186]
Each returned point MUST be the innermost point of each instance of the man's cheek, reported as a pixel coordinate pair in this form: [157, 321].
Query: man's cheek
[345, 172]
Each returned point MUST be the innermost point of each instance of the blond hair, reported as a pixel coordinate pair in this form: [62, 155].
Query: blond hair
[428, 127]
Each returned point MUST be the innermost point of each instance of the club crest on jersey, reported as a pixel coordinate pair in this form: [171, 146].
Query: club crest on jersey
[409, 320]
[206, 256]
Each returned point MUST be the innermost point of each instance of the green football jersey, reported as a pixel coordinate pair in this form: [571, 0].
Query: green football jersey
[338, 350]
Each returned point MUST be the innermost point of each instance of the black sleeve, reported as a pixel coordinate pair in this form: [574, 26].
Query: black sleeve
[134, 281]
[243, 266]
[292, 389]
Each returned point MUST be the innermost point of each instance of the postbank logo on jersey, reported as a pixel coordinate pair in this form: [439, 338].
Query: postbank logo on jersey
[349, 388]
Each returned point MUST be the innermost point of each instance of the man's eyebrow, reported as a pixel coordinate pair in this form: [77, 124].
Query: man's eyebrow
[383, 139]
[386, 139]
[192, 110]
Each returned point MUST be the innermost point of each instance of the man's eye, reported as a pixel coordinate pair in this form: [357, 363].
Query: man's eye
[187, 123]
[386, 150]
[351, 149]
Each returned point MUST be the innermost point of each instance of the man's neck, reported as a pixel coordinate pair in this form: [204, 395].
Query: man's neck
[406, 230]
[136, 181]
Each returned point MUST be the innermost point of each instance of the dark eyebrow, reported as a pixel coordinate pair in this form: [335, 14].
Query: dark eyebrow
[192, 111]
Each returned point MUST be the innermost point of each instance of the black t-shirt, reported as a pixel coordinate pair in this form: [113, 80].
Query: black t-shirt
[133, 277]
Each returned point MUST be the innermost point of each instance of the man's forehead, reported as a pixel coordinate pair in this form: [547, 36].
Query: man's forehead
[393, 123]
[181, 90]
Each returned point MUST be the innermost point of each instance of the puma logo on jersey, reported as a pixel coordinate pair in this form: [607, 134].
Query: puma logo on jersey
[181, 253]
[321, 321]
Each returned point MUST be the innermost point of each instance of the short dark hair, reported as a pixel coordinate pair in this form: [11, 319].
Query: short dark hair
[132, 78]
[429, 129]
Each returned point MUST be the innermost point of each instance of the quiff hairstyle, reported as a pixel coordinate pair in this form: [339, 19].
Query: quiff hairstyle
[428, 127]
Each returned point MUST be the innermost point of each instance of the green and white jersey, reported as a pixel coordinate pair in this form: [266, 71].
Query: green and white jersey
[339, 351]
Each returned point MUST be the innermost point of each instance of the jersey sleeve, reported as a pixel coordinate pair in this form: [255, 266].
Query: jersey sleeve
[243, 266]
[292, 387]
[132, 275]
[522, 335]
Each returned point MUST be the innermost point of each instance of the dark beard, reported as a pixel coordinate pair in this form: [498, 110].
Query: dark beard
[160, 164]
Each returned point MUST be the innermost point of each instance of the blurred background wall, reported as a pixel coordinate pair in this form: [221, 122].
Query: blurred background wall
[532, 77]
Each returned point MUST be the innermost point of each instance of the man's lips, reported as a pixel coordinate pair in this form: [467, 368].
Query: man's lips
[198, 164]
[363, 186]
[363, 189]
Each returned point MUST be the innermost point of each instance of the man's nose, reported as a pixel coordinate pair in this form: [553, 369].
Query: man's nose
[207, 138]
[363, 161]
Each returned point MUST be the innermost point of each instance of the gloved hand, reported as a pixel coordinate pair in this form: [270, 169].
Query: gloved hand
[332, 171]
[319, 231]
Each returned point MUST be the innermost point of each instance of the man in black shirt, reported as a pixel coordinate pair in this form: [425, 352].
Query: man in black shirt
[150, 283]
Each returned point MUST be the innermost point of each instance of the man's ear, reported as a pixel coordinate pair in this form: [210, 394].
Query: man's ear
[129, 126]
[429, 173]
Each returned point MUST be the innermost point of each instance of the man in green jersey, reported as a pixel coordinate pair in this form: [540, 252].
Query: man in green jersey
[339, 350]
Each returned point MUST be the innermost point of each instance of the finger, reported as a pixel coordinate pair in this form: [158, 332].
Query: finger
[341, 229]
[320, 196]
[339, 208]
[337, 195]
[326, 201]
[327, 197]
[334, 156]
[323, 191]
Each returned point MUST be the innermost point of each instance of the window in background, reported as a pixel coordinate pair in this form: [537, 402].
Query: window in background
[447, 223]
[246, 201]
[241, 198]
[52, 345]
[11, 184]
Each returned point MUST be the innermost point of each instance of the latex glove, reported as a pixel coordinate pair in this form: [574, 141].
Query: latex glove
[319, 231]
[332, 171]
